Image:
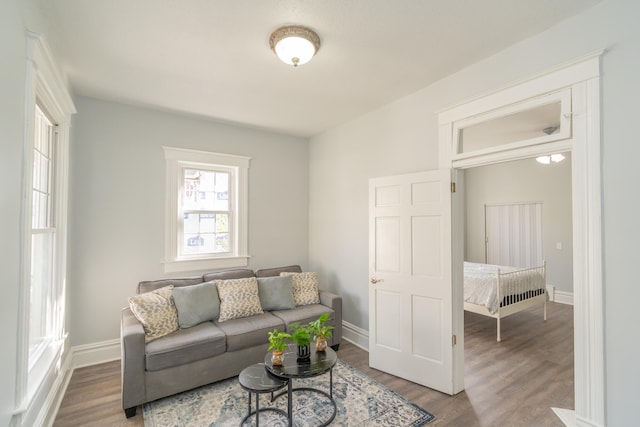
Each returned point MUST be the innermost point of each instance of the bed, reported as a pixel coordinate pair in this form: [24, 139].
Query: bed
[500, 291]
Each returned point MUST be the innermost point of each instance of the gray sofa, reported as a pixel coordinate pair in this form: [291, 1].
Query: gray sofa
[210, 351]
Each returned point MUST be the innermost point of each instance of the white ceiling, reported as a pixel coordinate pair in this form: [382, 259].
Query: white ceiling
[211, 58]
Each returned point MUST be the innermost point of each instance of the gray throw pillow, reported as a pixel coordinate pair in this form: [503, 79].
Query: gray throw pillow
[276, 293]
[196, 303]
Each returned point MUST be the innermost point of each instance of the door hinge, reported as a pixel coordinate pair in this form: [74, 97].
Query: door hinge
[453, 187]
[453, 340]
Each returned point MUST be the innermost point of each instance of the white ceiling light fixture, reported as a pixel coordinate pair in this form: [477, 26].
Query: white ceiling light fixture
[294, 44]
[546, 160]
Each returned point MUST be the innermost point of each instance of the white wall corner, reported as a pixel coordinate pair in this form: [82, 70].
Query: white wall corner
[93, 354]
[551, 291]
[355, 335]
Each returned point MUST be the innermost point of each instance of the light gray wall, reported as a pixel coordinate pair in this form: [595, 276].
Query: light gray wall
[117, 203]
[12, 83]
[525, 181]
[16, 17]
[402, 137]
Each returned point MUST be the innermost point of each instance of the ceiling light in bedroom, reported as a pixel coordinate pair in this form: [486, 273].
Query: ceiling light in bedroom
[546, 160]
[294, 45]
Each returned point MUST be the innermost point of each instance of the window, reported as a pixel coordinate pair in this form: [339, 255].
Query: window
[41, 331]
[206, 212]
[43, 238]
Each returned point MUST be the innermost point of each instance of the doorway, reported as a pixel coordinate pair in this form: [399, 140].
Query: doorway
[576, 87]
[532, 203]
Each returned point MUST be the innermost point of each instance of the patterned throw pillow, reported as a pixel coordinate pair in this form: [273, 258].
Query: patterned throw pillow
[305, 287]
[156, 311]
[238, 298]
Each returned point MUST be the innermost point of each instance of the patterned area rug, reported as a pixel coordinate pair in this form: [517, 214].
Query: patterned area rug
[360, 400]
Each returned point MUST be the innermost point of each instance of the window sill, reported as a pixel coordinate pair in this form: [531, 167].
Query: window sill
[179, 266]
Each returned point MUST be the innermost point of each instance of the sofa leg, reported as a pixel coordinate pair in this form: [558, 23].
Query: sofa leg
[130, 412]
[335, 347]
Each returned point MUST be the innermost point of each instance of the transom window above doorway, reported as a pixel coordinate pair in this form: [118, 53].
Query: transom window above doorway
[494, 131]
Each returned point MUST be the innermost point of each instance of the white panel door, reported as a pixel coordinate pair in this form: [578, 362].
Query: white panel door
[410, 303]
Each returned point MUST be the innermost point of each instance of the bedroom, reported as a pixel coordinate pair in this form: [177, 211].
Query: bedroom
[516, 186]
[510, 184]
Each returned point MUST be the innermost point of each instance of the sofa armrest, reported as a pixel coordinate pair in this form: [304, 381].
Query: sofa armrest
[333, 301]
[132, 352]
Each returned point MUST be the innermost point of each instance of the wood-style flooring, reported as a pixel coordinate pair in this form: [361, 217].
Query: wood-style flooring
[511, 383]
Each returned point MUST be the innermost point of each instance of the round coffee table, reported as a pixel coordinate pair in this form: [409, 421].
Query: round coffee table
[319, 363]
[256, 379]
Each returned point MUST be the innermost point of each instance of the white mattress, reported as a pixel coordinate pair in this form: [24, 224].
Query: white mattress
[480, 283]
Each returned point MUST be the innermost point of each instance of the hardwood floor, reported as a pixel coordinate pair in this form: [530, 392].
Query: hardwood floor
[511, 383]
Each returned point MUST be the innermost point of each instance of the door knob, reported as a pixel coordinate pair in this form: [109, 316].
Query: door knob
[374, 280]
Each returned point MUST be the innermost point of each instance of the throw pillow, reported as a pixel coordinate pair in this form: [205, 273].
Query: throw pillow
[196, 303]
[156, 311]
[238, 298]
[276, 293]
[305, 287]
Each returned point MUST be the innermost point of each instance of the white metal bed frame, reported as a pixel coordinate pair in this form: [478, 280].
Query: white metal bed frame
[512, 288]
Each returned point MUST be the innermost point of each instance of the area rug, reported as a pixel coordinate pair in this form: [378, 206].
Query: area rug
[360, 401]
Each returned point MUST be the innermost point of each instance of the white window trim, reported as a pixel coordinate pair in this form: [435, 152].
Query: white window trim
[45, 85]
[178, 158]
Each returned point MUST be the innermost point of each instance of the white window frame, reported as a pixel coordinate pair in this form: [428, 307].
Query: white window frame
[35, 381]
[177, 159]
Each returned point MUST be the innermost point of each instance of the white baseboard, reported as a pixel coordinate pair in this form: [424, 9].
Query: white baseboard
[561, 297]
[57, 393]
[93, 354]
[355, 335]
[567, 416]
[564, 297]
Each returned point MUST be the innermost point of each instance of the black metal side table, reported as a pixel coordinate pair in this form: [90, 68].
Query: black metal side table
[256, 379]
[319, 363]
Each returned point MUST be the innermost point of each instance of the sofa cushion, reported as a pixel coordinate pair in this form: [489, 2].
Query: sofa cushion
[238, 298]
[304, 314]
[156, 311]
[196, 303]
[249, 331]
[152, 285]
[240, 273]
[276, 293]
[184, 346]
[305, 287]
[268, 272]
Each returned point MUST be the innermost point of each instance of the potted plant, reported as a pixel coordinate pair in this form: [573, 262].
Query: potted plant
[301, 334]
[277, 343]
[321, 331]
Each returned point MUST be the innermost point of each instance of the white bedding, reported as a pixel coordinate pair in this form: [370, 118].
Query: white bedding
[480, 283]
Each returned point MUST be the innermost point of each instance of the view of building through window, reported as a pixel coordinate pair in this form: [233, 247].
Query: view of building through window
[206, 212]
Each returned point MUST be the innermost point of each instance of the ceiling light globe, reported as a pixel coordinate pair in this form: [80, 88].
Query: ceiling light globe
[545, 160]
[295, 50]
[294, 45]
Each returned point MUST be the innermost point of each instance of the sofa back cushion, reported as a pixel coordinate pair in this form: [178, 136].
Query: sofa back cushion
[268, 272]
[276, 293]
[241, 273]
[152, 285]
[196, 304]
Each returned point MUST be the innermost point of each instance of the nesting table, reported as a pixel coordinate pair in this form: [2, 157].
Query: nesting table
[256, 379]
[319, 363]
